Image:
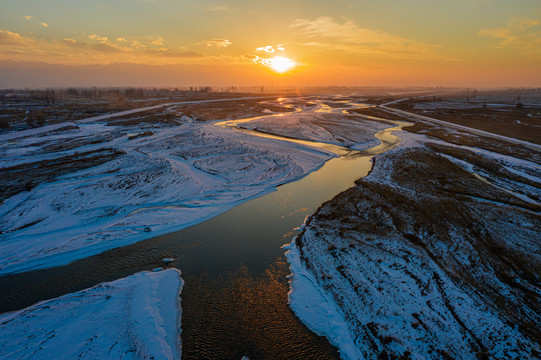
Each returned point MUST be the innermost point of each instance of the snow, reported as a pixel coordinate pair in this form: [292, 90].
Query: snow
[315, 308]
[137, 317]
[530, 145]
[49, 128]
[322, 126]
[471, 169]
[180, 175]
[183, 173]
[395, 297]
[511, 162]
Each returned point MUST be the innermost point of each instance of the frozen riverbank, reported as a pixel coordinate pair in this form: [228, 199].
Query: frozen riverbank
[316, 308]
[102, 185]
[137, 317]
[332, 128]
[246, 241]
[426, 259]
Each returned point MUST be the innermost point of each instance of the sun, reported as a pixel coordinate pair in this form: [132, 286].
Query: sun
[281, 64]
[278, 62]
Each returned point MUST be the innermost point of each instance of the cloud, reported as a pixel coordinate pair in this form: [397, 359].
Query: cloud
[158, 42]
[162, 52]
[74, 43]
[262, 60]
[137, 44]
[215, 43]
[103, 46]
[28, 17]
[190, 54]
[327, 27]
[348, 36]
[44, 24]
[121, 39]
[107, 47]
[97, 37]
[268, 49]
[8, 38]
[136, 49]
[97, 50]
[520, 33]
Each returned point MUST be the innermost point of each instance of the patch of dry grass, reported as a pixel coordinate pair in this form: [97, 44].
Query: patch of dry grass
[24, 177]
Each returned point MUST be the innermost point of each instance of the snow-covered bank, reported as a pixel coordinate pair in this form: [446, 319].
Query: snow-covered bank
[50, 128]
[532, 146]
[161, 177]
[424, 260]
[317, 311]
[333, 128]
[137, 317]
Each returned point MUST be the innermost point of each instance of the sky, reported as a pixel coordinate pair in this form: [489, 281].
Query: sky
[235, 43]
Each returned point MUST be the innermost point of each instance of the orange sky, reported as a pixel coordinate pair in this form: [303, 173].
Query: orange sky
[206, 42]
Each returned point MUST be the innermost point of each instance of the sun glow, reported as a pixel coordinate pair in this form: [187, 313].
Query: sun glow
[281, 64]
[278, 63]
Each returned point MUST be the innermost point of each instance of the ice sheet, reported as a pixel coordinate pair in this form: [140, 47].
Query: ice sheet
[137, 317]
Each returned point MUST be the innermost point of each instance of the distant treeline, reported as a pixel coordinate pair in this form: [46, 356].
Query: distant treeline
[51, 96]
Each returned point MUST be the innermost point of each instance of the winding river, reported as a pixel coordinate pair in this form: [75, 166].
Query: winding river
[235, 295]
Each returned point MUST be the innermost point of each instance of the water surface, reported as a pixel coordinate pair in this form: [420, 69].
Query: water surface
[235, 295]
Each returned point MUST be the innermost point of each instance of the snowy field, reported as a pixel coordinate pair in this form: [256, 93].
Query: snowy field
[435, 254]
[102, 183]
[339, 129]
[108, 183]
[137, 317]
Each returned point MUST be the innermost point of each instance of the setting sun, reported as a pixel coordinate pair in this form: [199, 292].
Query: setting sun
[281, 64]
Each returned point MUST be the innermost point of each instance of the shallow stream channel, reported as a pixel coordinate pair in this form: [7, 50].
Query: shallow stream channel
[234, 301]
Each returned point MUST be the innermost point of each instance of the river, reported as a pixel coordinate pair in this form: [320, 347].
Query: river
[235, 295]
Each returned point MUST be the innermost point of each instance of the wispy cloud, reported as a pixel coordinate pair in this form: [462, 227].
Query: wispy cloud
[121, 39]
[97, 37]
[215, 43]
[44, 24]
[8, 38]
[97, 49]
[28, 17]
[271, 55]
[349, 37]
[74, 43]
[162, 52]
[108, 47]
[69, 41]
[268, 49]
[520, 33]
[158, 42]
[138, 45]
